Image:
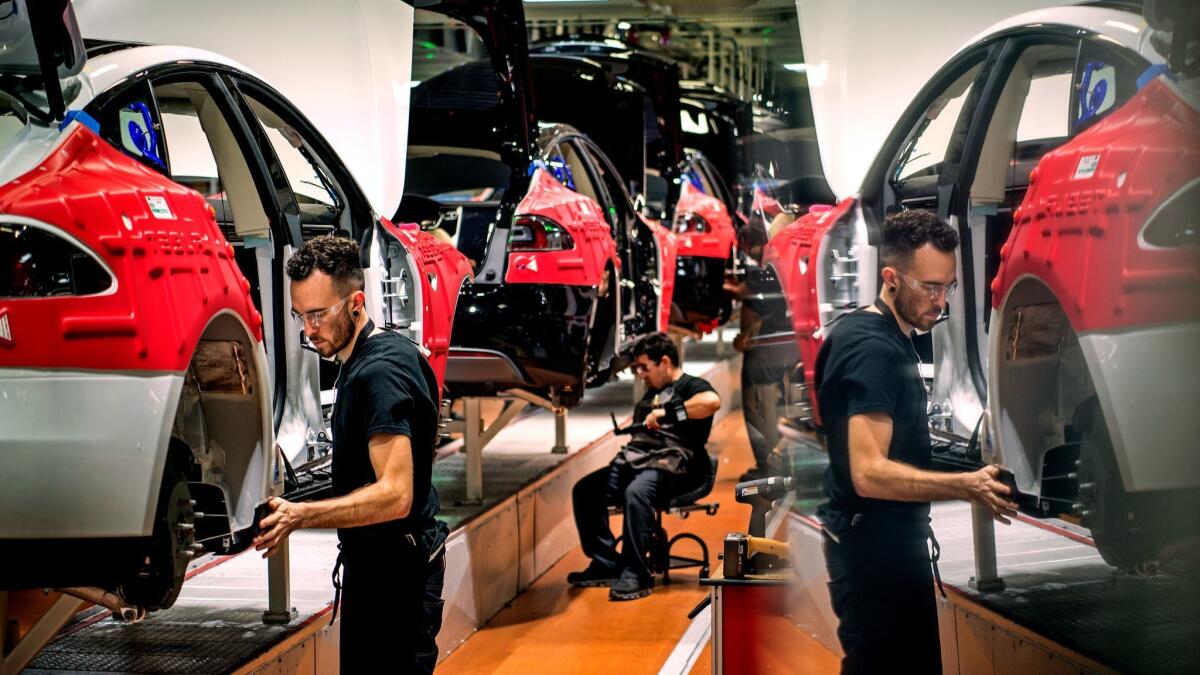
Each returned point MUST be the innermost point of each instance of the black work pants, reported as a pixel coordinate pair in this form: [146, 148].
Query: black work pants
[881, 584]
[391, 608]
[640, 493]
[760, 409]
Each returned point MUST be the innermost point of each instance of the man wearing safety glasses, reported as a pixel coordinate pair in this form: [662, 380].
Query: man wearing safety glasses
[391, 561]
[878, 483]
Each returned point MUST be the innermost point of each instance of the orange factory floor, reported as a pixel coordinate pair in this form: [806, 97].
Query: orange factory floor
[554, 628]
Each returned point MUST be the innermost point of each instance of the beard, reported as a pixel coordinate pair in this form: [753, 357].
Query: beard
[340, 333]
[909, 305]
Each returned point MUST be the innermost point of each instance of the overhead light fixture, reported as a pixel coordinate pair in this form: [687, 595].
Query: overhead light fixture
[796, 67]
[624, 25]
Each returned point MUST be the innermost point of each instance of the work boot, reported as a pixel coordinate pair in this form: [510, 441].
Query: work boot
[597, 574]
[630, 586]
[753, 473]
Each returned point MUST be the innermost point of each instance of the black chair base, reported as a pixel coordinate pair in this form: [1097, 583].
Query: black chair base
[660, 560]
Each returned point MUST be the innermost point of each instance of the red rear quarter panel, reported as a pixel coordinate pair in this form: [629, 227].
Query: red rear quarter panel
[582, 217]
[1079, 233]
[442, 271]
[718, 242]
[173, 274]
[795, 254]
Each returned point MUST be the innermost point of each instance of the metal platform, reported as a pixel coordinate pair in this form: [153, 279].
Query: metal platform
[1062, 608]
[499, 544]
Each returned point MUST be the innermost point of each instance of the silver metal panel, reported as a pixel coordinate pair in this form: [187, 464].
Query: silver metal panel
[554, 522]
[328, 650]
[484, 567]
[299, 660]
[814, 613]
[975, 644]
[526, 540]
[947, 636]
[459, 612]
[1015, 656]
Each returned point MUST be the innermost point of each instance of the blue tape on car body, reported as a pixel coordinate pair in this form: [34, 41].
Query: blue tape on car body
[1152, 72]
[81, 117]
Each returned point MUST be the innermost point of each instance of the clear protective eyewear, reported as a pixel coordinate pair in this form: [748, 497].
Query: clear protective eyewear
[316, 316]
[933, 290]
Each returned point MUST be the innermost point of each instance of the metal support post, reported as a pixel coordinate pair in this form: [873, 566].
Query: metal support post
[476, 436]
[679, 339]
[560, 432]
[473, 442]
[279, 588]
[16, 654]
[983, 531]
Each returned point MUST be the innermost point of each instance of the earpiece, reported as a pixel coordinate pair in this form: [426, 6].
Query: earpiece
[355, 313]
[892, 290]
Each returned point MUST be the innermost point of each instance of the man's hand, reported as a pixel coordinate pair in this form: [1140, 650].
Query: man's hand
[739, 341]
[983, 487]
[653, 420]
[275, 528]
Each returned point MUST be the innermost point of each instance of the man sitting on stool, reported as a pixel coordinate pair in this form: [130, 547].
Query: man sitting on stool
[660, 463]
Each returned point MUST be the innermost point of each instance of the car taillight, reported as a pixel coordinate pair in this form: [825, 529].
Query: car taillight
[686, 223]
[1174, 223]
[534, 233]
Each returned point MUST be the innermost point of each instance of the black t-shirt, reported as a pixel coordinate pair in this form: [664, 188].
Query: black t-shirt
[763, 364]
[691, 434]
[386, 387]
[867, 365]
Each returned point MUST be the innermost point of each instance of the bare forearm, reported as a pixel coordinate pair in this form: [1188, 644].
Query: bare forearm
[375, 503]
[889, 479]
[702, 406]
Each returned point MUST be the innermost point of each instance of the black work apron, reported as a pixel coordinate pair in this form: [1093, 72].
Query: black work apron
[390, 595]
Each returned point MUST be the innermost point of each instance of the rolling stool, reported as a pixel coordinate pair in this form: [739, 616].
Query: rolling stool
[658, 555]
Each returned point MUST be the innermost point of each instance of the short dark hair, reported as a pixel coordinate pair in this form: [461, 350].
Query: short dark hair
[655, 346]
[336, 256]
[907, 231]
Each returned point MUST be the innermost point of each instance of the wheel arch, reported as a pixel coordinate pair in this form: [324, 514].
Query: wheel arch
[1038, 376]
[224, 406]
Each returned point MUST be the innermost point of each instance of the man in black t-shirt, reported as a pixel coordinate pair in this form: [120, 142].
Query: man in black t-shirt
[764, 365]
[391, 564]
[873, 406]
[666, 460]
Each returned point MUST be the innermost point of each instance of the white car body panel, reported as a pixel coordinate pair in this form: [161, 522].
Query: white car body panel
[345, 65]
[1151, 414]
[860, 81]
[30, 146]
[863, 71]
[93, 440]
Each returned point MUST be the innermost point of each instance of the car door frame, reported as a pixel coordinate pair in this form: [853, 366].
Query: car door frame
[591, 154]
[954, 198]
[203, 73]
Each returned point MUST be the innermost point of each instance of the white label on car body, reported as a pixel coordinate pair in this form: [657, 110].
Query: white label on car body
[5, 330]
[1086, 167]
[159, 208]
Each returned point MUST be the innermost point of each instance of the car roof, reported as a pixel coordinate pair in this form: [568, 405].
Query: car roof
[1125, 28]
[112, 67]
